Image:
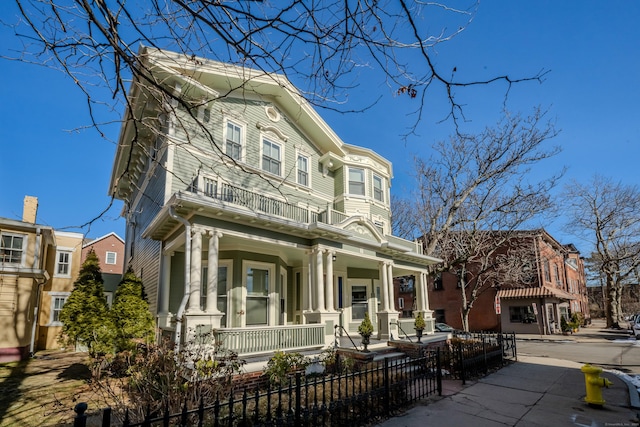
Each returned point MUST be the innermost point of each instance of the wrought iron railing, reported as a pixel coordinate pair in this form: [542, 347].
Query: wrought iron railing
[340, 328]
[401, 329]
[374, 392]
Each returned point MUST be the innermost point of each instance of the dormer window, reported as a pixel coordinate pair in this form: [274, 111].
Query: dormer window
[356, 181]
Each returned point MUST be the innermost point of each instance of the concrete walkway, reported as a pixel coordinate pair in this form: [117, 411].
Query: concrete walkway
[532, 392]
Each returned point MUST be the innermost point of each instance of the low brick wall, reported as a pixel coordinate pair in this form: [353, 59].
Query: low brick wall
[415, 349]
[250, 380]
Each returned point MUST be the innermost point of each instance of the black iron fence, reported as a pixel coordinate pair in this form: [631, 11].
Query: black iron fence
[376, 391]
[474, 354]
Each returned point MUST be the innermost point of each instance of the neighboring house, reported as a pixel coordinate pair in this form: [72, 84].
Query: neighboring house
[65, 261]
[267, 228]
[556, 287]
[24, 249]
[404, 290]
[110, 252]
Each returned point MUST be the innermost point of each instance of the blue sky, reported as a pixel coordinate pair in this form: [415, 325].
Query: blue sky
[591, 49]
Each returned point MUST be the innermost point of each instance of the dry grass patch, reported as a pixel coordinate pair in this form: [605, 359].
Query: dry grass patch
[43, 391]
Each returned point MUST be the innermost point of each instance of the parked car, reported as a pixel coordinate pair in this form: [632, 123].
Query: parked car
[443, 327]
[635, 330]
[632, 320]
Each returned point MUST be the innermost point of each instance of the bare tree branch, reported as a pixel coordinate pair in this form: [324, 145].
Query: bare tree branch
[605, 214]
[472, 197]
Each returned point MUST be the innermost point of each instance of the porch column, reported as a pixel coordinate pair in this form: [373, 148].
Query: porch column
[309, 300]
[196, 268]
[164, 317]
[212, 272]
[164, 292]
[389, 271]
[420, 290]
[329, 281]
[384, 293]
[425, 291]
[319, 282]
[388, 317]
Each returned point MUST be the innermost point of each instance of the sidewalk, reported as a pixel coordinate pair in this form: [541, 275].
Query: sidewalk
[532, 392]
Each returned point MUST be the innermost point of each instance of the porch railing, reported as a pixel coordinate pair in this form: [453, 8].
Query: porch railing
[257, 202]
[264, 339]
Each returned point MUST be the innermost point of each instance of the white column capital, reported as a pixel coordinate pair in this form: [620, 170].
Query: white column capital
[214, 233]
[198, 229]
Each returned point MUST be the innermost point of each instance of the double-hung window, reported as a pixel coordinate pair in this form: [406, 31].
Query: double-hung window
[58, 299]
[378, 193]
[303, 170]
[547, 271]
[356, 181]
[234, 141]
[111, 258]
[271, 157]
[11, 248]
[63, 263]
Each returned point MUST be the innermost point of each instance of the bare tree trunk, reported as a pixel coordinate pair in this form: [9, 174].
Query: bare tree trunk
[613, 304]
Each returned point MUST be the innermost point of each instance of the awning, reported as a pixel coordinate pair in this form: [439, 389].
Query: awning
[539, 292]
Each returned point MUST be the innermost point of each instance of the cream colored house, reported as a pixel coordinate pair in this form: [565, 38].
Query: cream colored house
[264, 227]
[24, 249]
[65, 262]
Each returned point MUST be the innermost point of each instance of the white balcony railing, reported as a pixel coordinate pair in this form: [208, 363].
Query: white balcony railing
[264, 339]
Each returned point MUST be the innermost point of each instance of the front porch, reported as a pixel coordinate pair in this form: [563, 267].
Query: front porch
[258, 341]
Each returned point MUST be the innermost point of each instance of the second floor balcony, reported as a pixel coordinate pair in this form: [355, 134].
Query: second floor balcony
[253, 208]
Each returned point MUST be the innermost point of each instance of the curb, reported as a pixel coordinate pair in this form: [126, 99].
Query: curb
[634, 395]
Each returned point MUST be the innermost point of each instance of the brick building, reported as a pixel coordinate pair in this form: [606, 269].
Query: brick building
[110, 251]
[556, 287]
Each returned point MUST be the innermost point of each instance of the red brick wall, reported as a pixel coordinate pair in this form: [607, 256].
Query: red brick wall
[108, 244]
[482, 316]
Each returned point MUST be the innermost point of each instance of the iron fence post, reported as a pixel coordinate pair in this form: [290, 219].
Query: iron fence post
[80, 419]
[438, 372]
[461, 359]
[387, 389]
[298, 413]
[484, 355]
[106, 417]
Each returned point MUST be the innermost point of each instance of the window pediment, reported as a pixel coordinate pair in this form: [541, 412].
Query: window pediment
[274, 130]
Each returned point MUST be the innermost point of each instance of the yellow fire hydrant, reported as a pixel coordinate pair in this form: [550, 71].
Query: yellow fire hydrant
[594, 383]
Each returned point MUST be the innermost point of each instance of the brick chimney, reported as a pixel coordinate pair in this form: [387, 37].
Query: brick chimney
[30, 209]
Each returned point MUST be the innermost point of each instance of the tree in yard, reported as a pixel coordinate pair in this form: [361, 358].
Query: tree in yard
[85, 315]
[605, 214]
[473, 195]
[130, 313]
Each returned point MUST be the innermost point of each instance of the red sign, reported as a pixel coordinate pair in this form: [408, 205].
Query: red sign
[497, 305]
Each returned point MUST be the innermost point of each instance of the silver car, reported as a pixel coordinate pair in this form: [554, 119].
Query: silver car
[635, 329]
